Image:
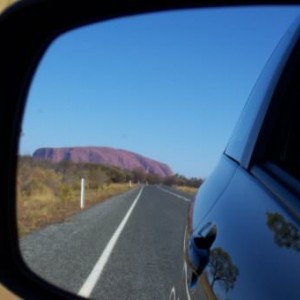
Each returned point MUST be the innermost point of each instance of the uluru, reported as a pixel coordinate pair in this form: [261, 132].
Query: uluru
[120, 158]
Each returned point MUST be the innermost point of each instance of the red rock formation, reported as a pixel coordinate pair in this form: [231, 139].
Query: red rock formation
[104, 155]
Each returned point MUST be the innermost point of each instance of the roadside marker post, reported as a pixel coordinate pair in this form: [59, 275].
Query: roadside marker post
[82, 194]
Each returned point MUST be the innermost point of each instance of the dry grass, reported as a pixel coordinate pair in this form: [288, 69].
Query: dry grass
[44, 208]
[187, 189]
[6, 294]
[5, 4]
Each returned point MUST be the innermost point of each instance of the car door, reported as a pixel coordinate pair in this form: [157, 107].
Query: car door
[246, 231]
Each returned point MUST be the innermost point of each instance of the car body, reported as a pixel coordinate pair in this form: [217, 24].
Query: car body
[243, 233]
[247, 210]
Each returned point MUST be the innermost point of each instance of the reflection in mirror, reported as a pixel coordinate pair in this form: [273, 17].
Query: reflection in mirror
[124, 120]
[222, 269]
[286, 234]
[220, 274]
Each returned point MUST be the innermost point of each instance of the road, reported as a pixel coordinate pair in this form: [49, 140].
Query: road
[129, 247]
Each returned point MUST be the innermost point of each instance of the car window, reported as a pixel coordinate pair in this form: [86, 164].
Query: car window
[283, 148]
[286, 150]
[276, 159]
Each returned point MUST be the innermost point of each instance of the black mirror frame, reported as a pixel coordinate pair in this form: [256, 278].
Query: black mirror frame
[26, 30]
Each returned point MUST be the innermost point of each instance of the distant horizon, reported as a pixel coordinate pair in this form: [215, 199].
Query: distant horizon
[109, 147]
[169, 86]
[106, 155]
[72, 147]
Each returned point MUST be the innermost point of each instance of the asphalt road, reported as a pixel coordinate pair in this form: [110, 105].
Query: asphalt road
[129, 247]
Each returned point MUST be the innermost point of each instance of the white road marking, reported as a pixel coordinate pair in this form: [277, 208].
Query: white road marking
[185, 268]
[172, 294]
[94, 276]
[186, 284]
[174, 194]
[173, 290]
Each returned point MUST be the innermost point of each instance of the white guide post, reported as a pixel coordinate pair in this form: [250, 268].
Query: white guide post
[82, 194]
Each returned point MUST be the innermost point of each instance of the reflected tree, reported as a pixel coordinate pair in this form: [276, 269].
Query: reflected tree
[285, 233]
[222, 269]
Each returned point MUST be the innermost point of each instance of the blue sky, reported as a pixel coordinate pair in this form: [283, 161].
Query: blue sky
[169, 86]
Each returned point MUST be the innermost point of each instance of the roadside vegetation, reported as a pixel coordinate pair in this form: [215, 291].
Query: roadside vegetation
[187, 189]
[49, 193]
[4, 4]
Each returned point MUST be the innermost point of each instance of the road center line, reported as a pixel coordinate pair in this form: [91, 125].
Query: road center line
[174, 194]
[94, 276]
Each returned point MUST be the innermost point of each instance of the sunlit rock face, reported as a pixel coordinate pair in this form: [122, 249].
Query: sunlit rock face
[104, 155]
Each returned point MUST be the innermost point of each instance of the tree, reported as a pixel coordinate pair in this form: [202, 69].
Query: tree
[170, 180]
[118, 176]
[138, 175]
[96, 177]
[154, 179]
[222, 269]
[285, 233]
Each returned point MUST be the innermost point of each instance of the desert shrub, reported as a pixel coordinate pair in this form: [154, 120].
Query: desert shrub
[34, 187]
[65, 193]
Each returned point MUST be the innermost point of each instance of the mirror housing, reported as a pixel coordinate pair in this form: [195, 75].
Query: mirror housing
[40, 22]
[198, 250]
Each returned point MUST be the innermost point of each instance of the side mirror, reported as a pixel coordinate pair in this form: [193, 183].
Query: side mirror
[198, 250]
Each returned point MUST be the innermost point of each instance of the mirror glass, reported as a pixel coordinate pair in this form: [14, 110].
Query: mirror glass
[124, 121]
